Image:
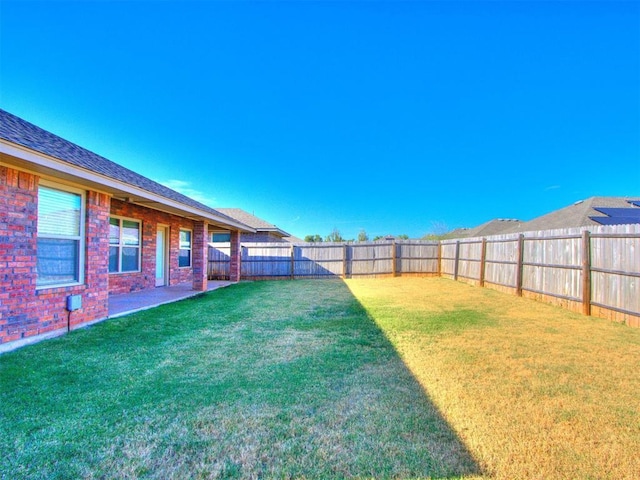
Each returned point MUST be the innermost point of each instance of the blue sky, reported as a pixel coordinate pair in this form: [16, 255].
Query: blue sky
[394, 117]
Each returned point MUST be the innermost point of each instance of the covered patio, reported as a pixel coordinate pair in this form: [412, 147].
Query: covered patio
[127, 303]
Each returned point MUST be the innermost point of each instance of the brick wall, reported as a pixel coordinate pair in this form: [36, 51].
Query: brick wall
[96, 278]
[200, 256]
[27, 313]
[24, 310]
[131, 282]
[235, 264]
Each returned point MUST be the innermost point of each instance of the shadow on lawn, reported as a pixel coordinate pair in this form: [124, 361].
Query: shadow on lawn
[280, 379]
[352, 406]
[444, 454]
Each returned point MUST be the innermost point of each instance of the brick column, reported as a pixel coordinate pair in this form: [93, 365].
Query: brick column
[18, 241]
[96, 301]
[200, 255]
[236, 256]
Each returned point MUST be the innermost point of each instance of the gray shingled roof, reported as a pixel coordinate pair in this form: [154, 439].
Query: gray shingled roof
[492, 227]
[576, 215]
[294, 239]
[21, 132]
[254, 222]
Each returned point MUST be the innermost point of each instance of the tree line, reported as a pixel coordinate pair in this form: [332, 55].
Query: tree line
[438, 231]
[336, 236]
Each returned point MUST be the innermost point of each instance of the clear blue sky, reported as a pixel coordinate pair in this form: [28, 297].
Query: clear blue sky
[393, 117]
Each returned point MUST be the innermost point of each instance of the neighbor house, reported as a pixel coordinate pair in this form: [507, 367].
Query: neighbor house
[592, 212]
[76, 227]
[492, 227]
[264, 231]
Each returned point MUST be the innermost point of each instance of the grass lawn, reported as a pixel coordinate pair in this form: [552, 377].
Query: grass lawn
[257, 380]
[387, 378]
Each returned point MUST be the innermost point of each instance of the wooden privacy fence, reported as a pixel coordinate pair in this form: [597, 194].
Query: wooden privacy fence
[595, 271]
[320, 260]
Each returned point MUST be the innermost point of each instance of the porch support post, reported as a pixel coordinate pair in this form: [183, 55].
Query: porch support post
[199, 255]
[236, 256]
[97, 264]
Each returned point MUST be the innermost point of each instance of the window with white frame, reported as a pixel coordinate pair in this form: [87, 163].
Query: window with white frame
[60, 244]
[184, 257]
[124, 245]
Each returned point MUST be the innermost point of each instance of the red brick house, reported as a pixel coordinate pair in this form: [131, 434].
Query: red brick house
[76, 227]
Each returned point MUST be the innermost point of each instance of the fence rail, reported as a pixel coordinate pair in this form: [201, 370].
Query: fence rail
[592, 270]
[311, 260]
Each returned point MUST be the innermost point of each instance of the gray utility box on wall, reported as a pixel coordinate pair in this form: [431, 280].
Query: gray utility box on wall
[74, 302]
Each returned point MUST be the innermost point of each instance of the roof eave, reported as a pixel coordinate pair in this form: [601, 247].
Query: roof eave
[32, 160]
[276, 230]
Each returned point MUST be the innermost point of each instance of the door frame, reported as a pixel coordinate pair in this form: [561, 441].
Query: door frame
[164, 280]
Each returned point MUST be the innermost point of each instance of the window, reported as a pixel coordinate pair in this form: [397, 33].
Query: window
[184, 259]
[124, 245]
[60, 244]
[218, 237]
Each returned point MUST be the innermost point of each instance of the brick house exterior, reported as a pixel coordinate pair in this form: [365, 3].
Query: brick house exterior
[162, 238]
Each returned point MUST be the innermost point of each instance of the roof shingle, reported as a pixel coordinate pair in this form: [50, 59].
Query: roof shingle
[580, 214]
[19, 131]
[251, 220]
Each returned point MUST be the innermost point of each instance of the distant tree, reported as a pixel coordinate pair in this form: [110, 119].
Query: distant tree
[313, 238]
[391, 237]
[362, 236]
[334, 236]
[437, 231]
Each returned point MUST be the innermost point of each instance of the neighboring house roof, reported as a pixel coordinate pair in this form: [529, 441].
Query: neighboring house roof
[258, 224]
[594, 211]
[294, 239]
[95, 170]
[492, 227]
[583, 213]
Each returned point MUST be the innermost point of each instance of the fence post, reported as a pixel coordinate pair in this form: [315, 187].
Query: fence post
[519, 265]
[586, 272]
[393, 258]
[483, 257]
[344, 261]
[439, 266]
[456, 261]
[293, 261]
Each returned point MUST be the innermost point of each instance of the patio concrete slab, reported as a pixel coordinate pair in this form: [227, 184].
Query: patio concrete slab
[127, 303]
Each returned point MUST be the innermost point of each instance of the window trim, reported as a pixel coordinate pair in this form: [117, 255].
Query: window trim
[81, 238]
[120, 245]
[219, 232]
[180, 230]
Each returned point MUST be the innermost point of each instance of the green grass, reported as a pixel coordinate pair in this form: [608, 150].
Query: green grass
[384, 378]
[258, 380]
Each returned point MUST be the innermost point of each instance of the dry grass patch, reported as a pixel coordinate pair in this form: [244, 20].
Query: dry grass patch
[534, 391]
